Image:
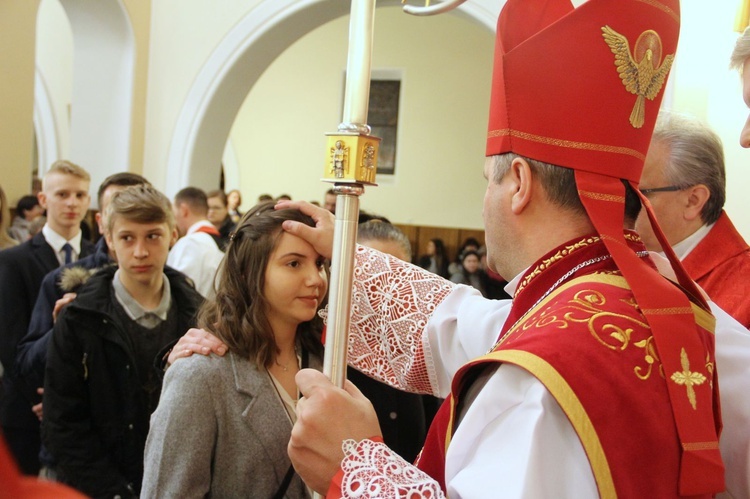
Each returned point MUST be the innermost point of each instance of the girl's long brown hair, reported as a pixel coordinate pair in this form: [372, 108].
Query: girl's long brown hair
[237, 315]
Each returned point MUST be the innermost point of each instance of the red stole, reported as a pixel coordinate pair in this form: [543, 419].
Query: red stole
[611, 388]
[210, 230]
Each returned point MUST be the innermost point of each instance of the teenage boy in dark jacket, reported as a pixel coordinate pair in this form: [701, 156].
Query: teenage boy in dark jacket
[100, 384]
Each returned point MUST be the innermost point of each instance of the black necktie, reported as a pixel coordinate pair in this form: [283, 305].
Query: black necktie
[68, 249]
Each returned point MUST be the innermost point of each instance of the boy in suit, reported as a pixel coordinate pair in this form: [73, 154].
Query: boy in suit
[65, 196]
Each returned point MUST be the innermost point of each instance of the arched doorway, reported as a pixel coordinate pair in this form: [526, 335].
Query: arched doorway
[233, 68]
[94, 131]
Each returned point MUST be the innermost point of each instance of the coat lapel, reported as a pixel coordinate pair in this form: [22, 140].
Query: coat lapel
[44, 253]
[264, 414]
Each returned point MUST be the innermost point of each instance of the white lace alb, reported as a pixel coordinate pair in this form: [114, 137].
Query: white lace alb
[372, 470]
[391, 303]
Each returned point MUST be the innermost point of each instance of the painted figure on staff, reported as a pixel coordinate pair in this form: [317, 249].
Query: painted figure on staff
[339, 158]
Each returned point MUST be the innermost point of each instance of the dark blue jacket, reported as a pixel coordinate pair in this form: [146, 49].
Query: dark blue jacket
[31, 357]
[22, 269]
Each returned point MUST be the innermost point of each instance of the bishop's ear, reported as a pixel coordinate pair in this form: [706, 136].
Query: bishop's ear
[521, 180]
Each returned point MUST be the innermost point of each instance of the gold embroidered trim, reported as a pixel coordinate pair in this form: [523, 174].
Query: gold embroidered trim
[688, 378]
[572, 407]
[567, 143]
[568, 250]
[602, 197]
[671, 13]
[615, 240]
[545, 264]
[700, 445]
[703, 318]
[667, 311]
[588, 307]
[449, 430]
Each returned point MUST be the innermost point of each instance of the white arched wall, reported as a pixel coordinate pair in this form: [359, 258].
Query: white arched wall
[45, 126]
[235, 65]
[102, 90]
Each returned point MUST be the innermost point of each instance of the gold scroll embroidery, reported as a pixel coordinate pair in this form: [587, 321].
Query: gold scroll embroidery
[612, 330]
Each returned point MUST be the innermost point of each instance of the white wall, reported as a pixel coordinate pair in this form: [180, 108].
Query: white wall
[183, 35]
[446, 64]
[707, 89]
[54, 65]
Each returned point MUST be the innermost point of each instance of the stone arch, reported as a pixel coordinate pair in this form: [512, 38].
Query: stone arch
[45, 128]
[236, 65]
[102, 89]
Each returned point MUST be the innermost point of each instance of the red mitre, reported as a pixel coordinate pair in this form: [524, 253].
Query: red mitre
[581, 88]
[563, 81]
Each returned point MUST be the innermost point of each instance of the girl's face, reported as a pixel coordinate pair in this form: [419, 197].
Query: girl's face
[471, 263]
[233, 200]
[295, 283]
[431, 248]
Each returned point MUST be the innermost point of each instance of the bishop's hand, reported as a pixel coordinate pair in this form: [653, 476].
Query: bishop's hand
[326, 416]
[320, 237]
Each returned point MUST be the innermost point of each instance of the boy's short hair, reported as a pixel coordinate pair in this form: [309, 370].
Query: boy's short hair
[141, 204]
[122, 179]
[65, 167]
[195, 198]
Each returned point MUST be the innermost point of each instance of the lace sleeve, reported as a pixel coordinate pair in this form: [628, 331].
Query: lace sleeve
[391, 303]
[370, 469]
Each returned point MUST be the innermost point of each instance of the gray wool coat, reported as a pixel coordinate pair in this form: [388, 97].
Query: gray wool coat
[220, 431]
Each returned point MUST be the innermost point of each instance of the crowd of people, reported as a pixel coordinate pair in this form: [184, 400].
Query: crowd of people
[181, 354]
[96, 323]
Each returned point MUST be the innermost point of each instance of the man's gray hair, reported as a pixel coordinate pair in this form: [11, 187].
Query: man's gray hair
[741, 51]
[696, 156]
[377, 230]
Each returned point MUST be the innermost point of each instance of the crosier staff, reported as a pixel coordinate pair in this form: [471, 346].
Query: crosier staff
[351, 163]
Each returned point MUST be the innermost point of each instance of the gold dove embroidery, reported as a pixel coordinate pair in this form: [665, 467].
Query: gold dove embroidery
[640, 72]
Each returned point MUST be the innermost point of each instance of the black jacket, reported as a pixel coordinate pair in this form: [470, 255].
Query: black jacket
[22, 269]
[95, 415]
[226, 229]
[31, 356]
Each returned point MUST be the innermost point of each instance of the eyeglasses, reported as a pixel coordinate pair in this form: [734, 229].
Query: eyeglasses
[669, 188]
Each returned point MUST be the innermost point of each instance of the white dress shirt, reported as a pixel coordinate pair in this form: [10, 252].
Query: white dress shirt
[56, 241]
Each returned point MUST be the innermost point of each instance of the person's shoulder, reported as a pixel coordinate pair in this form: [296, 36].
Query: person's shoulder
[205, 241]
[16, 253]
[92, 288]
[458, 278]
[210, 369]
[183, 287]
[87, 246]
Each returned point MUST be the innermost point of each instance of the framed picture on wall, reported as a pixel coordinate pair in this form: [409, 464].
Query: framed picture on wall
[382, 115]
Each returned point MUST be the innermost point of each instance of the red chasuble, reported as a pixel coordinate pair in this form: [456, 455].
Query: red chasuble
[576, 327]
